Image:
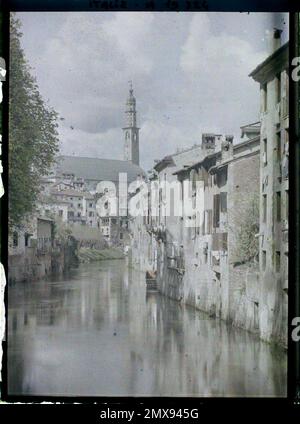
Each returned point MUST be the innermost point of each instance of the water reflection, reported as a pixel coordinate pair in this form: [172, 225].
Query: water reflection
[99, 333]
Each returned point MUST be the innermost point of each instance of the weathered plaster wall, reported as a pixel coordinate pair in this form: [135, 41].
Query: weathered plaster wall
[193, 267]
[273, 308]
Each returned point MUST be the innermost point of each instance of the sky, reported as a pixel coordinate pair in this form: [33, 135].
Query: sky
[189, 72]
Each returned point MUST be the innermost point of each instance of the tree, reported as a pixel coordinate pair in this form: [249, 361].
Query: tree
[33, 136]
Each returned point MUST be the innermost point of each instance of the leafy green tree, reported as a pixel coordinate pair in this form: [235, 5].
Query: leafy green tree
[33, 136]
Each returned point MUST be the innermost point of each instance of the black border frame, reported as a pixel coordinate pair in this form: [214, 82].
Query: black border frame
[206, 404]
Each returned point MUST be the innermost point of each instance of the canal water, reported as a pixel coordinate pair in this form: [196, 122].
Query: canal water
[98, 332]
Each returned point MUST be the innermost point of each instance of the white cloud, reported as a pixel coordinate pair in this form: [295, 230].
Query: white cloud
[217, 65]
[88, 63]
[213, 54]
[106, 145]
[190, 74]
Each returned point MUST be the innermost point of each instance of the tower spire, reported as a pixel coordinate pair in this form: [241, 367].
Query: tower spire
[131, 132]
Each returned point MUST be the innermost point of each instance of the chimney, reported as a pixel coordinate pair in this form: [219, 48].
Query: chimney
[274, 38]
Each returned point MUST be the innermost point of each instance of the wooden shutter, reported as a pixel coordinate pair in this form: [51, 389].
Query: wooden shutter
[216, 211]
[223, 201]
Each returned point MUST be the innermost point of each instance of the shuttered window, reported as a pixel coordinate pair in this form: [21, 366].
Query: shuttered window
[223, 202]
[208, 221]
[204, 222]
[216, 211]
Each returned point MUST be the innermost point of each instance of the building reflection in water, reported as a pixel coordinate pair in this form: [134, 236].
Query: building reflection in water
[98, 332]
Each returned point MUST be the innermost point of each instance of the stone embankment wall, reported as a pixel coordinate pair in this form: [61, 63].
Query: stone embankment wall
[34, 264]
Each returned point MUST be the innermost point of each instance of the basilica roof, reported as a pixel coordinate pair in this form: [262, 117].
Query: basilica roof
[97, 169]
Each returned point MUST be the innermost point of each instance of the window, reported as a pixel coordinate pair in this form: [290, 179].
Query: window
[264, 260]
[60, 212]
[78, 214]
[79, 205]
[208, 221]
[264, 208]
[223, 242]
[277, 261]
[286, 136]
[278, 145]
[27, 236]
[278, 206]
[264, 98]
[278, 87]
[223, 202]
[91, 214]
[91, 205]
[265, 152]
[204, 222]
[15, 239]
[121, 236]
[216, 211]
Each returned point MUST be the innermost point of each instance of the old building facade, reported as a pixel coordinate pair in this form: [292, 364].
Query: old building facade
[201, 257]
[272, 75]
[229, 255]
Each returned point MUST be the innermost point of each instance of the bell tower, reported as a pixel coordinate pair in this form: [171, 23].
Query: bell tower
[131, 132]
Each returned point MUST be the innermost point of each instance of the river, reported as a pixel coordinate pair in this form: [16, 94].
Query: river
[98, 332]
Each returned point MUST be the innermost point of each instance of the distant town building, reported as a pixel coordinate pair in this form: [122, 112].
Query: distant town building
[76, 181]
[72, 189]
[51, 206]
[81, 206]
